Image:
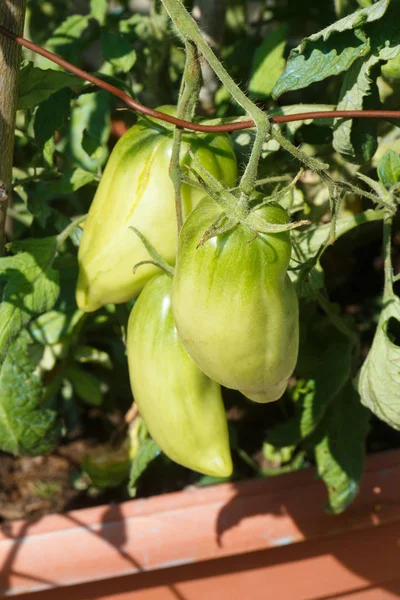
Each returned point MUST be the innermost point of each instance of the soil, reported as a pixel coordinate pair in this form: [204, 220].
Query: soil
[31, 487]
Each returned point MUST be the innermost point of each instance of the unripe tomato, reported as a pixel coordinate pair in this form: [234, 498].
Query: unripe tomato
[136, 189]
[234, 306]
[181, 407]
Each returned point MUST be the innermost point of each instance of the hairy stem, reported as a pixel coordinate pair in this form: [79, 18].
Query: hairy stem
[210, 16]
[387, 249]
[188, 97]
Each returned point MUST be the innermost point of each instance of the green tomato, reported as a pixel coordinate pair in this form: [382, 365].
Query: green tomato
[234, 306]
[181, 407]
[136, 189]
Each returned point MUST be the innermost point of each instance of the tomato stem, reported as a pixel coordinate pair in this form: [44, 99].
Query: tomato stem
[188, 97]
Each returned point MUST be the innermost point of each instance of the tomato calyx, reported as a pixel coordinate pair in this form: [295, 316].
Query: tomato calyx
[236, 210]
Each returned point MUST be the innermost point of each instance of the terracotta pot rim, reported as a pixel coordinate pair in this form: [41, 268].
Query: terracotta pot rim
[187, 527]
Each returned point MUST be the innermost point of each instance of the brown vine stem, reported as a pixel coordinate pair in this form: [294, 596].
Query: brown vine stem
[235, 126]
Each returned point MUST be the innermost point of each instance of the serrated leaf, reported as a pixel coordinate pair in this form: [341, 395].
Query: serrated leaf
[268, 64]
[31, 287]
[321, 59]
[25, 427]
[86, 385]
[379, 380]
[98, 10]
[146, 453]
[340, 452]
[323, 368]
[389, 168]
[356, 140]
[37, 85]
[118, 51]
[331, 51]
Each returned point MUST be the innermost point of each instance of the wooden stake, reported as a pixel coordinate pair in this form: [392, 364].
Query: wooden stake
[12, 16]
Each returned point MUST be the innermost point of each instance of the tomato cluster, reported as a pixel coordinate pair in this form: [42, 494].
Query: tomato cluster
[229, 314]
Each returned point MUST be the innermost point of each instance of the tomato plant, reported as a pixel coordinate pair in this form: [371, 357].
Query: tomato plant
[281, 211]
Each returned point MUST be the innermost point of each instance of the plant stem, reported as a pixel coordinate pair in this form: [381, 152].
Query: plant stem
[210, 16]
[65, 233]
[12, 16]
[188, 97]
[188, 29]
[387, 249]
[308, 161]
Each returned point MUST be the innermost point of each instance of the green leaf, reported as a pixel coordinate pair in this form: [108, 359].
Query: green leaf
[146, 453]
[87, 354]
[89, 130]
[389, 168]
[98, 10]
[50, 115]
[70, 181]
[207, 480]
[31, 287]
[66, 41]
[309, 279]
[37, 85]
[54, 326]
[357, 139]
[86, 385]
[307, 243]
[68, 32]
[25, 427]
[353, 138]
[331, 51]
[107, 466]
[340, 452]
[118, 51]
[71, 29]
[323, 368]
[268, 64]
[48, 152]
[379, 380]
[392, 68]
